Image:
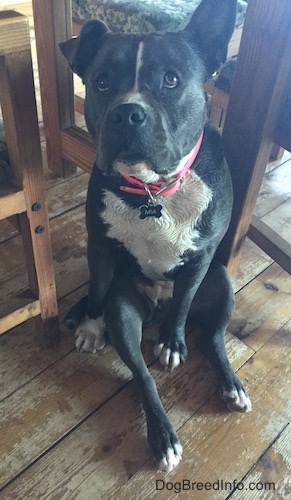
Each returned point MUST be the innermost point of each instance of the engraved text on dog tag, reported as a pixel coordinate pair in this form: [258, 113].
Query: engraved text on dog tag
[150, 210]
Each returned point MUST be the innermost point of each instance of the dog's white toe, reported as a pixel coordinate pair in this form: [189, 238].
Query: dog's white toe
[164, 357]
[237, 400]
[175, 360]
[167, 357]
[171, 459]
[90, 335]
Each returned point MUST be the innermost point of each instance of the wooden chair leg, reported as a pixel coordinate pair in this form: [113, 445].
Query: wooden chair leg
[40, 271]
[24, 228]
[23, 141]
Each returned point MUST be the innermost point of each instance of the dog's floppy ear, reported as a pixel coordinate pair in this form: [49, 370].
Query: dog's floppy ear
[210, 28]
[79, 51]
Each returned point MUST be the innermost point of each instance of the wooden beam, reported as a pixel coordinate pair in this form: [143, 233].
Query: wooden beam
[11, 204]
[78, 148]
[19, 316]
[271, 243]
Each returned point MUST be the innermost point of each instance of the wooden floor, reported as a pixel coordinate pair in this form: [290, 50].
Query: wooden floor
[71, 426]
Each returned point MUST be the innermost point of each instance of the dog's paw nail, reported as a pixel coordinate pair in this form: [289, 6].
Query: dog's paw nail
[178, 448]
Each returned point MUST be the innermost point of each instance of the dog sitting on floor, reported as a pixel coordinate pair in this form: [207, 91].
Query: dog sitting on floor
[159, 202]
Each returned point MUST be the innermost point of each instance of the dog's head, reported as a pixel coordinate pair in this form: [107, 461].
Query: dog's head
[145, 100]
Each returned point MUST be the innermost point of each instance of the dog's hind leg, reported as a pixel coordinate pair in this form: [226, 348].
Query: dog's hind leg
[125, 311]
[212, 308]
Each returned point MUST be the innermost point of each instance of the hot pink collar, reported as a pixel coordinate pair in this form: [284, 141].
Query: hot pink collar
[163, 188]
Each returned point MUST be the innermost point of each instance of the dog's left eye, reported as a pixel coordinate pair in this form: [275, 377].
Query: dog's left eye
[102, 82]
[171, 80]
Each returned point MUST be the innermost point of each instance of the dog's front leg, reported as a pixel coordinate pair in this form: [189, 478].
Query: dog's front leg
[171, 348]
[90, 334]
[125, 312]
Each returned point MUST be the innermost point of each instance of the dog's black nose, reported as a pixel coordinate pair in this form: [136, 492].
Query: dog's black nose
[128, 114]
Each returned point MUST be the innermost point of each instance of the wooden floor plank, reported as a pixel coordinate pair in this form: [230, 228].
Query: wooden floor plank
[272, 475]
[67, 195]
[69, 238]
[109, 448]
[29, 359]
[73, 388]
[279, 219]
[44, 410]
[224, 446]
[275, 189]
[253, 261]
[61, 197]
[262, 307]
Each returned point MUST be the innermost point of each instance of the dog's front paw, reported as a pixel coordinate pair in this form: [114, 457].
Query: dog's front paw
[171, 356]
[90, 335]
[165, 445]
[236, 398]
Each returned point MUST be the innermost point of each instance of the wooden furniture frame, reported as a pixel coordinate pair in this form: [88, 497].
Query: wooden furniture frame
[23, 200]
[258, 93]
[255, 120]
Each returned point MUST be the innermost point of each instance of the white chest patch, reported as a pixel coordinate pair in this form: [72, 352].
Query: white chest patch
[159, 244]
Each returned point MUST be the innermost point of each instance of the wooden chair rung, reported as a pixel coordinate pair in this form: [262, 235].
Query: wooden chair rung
[19, 316]
[271, 243]
[12, 204]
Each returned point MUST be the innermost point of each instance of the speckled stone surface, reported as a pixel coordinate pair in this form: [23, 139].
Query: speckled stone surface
[143, 15]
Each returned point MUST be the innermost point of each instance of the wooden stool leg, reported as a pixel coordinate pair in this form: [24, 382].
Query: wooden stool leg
[23, 141]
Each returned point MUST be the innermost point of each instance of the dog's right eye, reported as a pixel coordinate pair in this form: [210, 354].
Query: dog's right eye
[102, 82]
[171, 80]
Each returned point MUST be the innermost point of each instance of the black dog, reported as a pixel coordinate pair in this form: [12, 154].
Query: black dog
[159, 202]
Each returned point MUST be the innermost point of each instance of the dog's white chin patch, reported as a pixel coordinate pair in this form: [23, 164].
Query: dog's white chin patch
[141, 170]
[172, 458]
[90, 335]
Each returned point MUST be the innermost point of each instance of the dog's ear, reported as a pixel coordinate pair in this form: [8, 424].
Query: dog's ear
[79, 51]
[210, 28]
